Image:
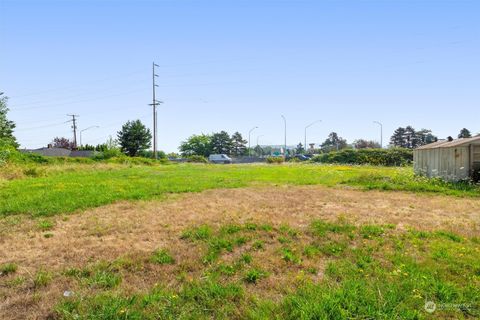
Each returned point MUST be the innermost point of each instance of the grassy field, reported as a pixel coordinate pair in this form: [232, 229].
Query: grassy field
[293, 241]
[49, 191]
[373, 272]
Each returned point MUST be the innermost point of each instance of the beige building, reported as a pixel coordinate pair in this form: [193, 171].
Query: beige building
[454, 160]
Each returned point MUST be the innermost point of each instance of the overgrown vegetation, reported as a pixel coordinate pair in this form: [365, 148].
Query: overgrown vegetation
[376, 157]
[381, 273]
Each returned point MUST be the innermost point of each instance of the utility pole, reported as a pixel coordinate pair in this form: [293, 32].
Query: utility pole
[285, 136]
[154, 105]
[381, 133]
[74, 127]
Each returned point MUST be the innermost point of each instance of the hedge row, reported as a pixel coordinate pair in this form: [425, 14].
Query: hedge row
[377, 157]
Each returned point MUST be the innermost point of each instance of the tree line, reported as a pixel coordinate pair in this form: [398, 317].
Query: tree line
[215, 143]
[134, 139]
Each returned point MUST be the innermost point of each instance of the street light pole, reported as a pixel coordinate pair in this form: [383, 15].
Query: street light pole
[86, 130]
[311, 124]
[258, 137]
[381, 133]
[249, 145]
[285, 136]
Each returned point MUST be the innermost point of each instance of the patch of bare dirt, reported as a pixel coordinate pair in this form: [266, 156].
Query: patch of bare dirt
[138, 228]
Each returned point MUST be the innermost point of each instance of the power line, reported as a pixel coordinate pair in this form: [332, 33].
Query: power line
[41, 127]
[13, 108]
[139, 71]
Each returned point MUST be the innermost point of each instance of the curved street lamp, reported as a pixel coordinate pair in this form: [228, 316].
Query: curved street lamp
[249, 146]
[86, 130]
[285, 136]
[311, 124]
[381, 133]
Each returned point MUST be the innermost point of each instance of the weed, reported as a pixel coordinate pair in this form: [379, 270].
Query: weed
[104, 279]
[42, 278]
[45, 225]
[198, 233]
[8, 268]
[320, 228]
[371, 231]
[162, 256]
[311, 251]
[230, 229]
[289, 255]
[246, 258]
[254, 275]
[258, 245]
[449, 235]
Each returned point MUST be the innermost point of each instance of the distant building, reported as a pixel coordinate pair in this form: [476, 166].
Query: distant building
[451, 160]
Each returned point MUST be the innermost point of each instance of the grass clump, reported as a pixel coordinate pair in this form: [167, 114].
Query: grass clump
[104, 279]
[371, 231]
[288, 255]
[320, 227]
[8, 268]
[42, 278]
[449, 235]
[198, 233]
[254, 275]
[162, 256]
[45, 225]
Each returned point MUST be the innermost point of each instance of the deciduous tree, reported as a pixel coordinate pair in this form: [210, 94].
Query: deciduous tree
[6, 126]
[200, 145]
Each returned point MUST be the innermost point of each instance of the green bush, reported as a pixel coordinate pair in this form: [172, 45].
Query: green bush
[197, 159]
[275, 160]
[377, 157]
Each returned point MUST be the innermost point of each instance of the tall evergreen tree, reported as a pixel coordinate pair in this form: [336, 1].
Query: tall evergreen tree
[222, 143]
[411, 137]
[134, 137]
[425, 137]
[398, 138]
[239, 145]
[6, 126]
[408, 137]
[333, 142]
[300, 149]
[465, 133]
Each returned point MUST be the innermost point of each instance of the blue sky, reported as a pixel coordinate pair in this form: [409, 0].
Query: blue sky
[233, 65]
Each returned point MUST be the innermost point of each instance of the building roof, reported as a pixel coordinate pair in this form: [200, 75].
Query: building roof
[450, 144]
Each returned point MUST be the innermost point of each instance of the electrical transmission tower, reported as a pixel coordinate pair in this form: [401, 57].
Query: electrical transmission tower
[74, 127]
[154, 104]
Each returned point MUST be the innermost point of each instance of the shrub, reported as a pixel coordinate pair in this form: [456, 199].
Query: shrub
[275, 160]
[197, 159]
[377, 157]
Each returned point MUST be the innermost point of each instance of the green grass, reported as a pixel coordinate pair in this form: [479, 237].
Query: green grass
[62, 191]
[387, 277]
[162, 257]
[8, 268]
